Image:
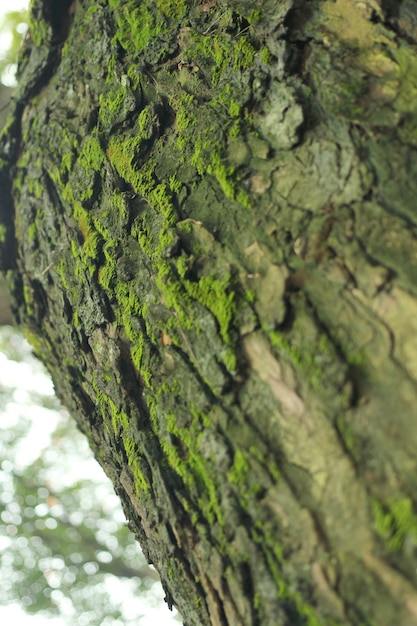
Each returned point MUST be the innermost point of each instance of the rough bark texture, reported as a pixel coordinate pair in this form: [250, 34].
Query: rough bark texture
[5, 309]
[215, 253]
[6, 316]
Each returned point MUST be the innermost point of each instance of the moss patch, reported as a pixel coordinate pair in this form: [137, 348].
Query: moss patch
[394, 520]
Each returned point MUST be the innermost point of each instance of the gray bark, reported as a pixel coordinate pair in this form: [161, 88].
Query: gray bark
[211, 243]
[6, 316]
[5, 308]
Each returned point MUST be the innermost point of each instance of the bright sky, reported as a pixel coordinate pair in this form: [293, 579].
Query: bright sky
[12, 5]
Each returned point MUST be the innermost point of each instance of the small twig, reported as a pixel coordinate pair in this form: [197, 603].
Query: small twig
[46, 269]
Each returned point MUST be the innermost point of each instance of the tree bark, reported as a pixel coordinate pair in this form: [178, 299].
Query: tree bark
[213, 248]
[6, 316]
[5, 310]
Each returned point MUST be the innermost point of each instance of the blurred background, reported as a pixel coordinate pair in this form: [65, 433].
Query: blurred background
[66, 555]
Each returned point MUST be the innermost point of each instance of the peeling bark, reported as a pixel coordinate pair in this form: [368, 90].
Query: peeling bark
[214, 234]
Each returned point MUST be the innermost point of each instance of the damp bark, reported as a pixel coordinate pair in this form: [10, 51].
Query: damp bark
[208, 222]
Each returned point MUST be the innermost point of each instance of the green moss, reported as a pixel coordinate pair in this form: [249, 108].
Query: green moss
[122, 162]
[145, 123]
[405, 102]
[119, 202]
[208, 141]
[266, 56]
[234, 108]
[137, 359]
[24, 160]
[32, 232]
[111, 106]
[129, 310]
[101, 223]
[61, 270]
[39, 344]
[75, 251]
[174, 296]
[238, 474]
[107, 276]
[264, 460]
[134, 76]
[244, 199]
[187, 462]
[124, 153]
[344, 427]
[39, 29]
[207, 159]
[170, 567]
[174, 184]
[86, 194]
[91, 155]
[133, 458]
[92, 10]
[92, 244]
[185, 118]
[225, 53]
[92, 240]
[119, 421]
[303, 360]
[301, 612]
[136, 24]
[223, 175]
[161, 199]
[200, 157]
[230, 361]
[141, 484]
[234, 132]
[34, 187]
[173, 8]
[67, 161]
[27, 295]
[215, 295]
[3, 233]
[394, 520]
[76, 319]
[273, 551]
[407, 73]
[243, 54]
[254, 16]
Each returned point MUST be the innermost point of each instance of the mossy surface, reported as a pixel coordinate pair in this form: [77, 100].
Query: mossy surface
[395, 521]
[216, 264]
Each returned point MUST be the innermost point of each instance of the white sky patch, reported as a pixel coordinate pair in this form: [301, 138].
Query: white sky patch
[12, 5]
[13, 614]
[5, 42]
[11, 371]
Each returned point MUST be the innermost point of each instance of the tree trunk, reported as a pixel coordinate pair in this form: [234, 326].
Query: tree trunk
[213, 248]
[5, 310]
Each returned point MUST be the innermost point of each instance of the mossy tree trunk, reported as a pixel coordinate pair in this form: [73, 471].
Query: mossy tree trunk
[209, 222]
